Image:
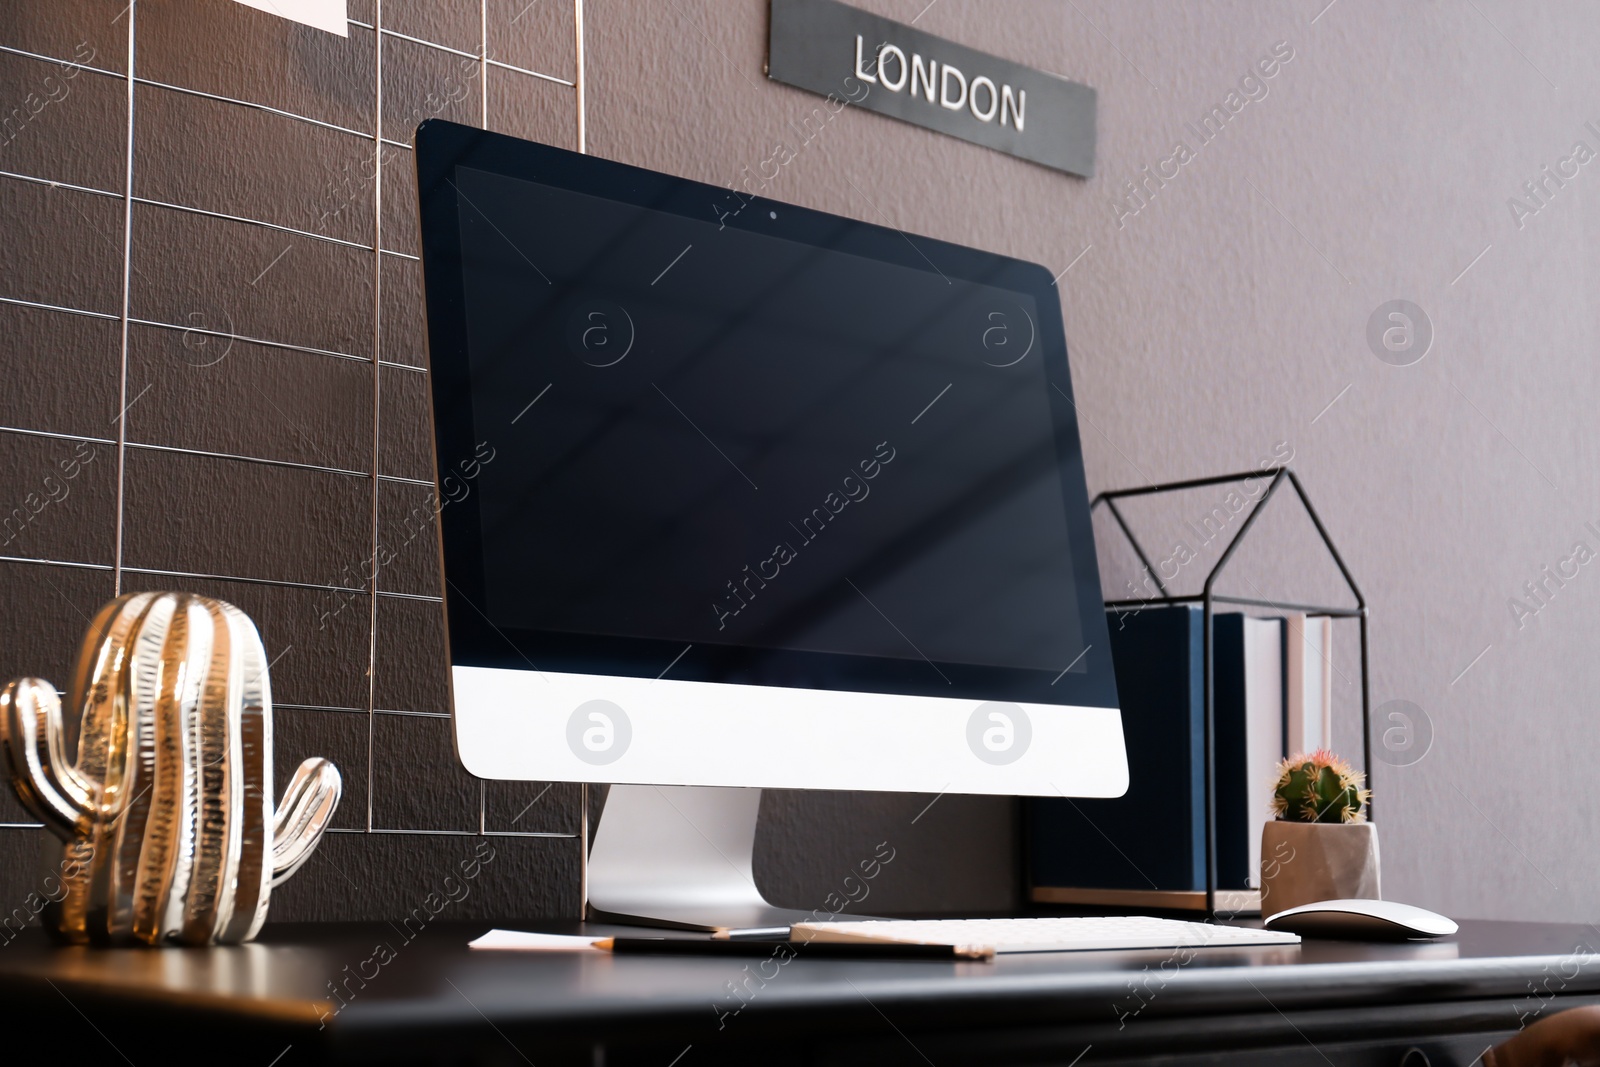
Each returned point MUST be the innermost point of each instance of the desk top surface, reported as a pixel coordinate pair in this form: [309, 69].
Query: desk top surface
[354, 977]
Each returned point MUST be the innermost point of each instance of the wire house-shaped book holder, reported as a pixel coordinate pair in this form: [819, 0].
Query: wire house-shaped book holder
[1210, 598]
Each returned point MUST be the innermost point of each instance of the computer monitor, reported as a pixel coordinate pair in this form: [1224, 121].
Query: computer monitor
[741, 494]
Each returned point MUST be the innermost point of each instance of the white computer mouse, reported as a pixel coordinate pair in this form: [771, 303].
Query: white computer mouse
[1362, 920]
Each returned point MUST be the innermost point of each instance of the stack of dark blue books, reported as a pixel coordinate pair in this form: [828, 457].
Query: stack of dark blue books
[1146, 849]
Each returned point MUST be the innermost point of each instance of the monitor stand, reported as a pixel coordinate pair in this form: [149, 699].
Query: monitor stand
[681, 856]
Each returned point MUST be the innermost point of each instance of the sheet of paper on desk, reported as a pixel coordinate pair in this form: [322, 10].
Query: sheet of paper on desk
[330, 15]
[526, 941]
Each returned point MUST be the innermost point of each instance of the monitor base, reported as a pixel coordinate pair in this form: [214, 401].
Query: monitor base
[681, 857]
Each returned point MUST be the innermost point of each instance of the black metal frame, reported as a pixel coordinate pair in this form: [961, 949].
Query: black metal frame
[1209, 598]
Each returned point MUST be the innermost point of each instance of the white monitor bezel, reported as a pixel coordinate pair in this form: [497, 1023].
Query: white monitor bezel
[516, 725]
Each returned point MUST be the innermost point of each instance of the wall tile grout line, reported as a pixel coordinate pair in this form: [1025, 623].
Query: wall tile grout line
[281, 112]
[127, 297]
[377, 401]
[392, 479]
[450, 833]
[76, 564]
[391, 364]
[483, 86]
[400, 712]
[429, 44]
[241, 579]
[482, 57]
[546, 834]
[57, 436]
[183, 89]
[61, 62]
[279, 583]
[483, 64]
[253, 222]
[58, 307]
[219, 98]
[580, 80]
[530, 73]
[307, 349]
[267, 461]
[583, 790]
[14, 176]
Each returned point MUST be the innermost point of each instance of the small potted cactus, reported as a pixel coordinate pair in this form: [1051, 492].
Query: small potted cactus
[1320, 846]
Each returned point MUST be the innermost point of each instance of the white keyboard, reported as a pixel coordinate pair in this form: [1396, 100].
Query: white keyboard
[1045, 935]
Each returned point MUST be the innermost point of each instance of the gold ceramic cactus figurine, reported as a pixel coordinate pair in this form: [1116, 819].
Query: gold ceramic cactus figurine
[168, 833]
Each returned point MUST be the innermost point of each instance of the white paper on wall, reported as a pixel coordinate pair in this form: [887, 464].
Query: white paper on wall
[330, 15]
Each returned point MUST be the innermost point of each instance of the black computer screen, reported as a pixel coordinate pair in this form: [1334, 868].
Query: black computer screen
[747, 433]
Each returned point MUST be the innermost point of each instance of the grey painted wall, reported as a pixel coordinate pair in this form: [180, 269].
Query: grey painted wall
[1215, 318]
[1228, 312]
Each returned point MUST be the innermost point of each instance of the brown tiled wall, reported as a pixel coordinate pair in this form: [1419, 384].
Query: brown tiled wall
[240, 353]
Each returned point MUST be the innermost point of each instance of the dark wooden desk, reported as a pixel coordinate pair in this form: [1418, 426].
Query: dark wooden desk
[432, 1000]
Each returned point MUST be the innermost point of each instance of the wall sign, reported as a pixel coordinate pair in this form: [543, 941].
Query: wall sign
[889, 67]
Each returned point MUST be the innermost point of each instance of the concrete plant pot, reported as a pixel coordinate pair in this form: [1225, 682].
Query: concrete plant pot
[1304, 862]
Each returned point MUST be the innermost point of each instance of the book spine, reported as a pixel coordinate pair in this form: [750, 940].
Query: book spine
[1325, 632]
[1230, 750]
[1294, 670]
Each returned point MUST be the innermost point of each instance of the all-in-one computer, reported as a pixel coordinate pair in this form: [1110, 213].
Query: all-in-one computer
[737, 494]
